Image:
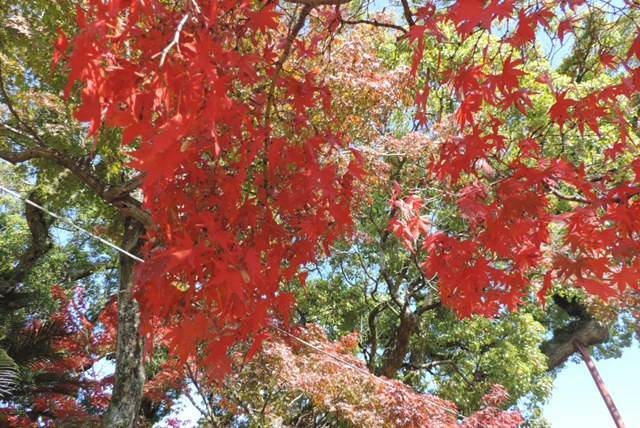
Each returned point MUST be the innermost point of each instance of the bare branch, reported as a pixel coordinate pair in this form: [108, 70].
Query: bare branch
[374, 23]
[316, 3]
[174, 42]
[408, 15]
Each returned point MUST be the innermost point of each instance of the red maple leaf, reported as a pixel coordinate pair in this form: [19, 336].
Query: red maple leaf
[566, 26]
[559, 111]
[60, 46]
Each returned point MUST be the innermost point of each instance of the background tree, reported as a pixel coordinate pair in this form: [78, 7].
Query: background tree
[63, 171]
[233, 139]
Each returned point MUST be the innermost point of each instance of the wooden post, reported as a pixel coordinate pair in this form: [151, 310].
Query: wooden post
[617, 419]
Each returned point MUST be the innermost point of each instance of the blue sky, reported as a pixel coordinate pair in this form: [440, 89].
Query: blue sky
[576, 401]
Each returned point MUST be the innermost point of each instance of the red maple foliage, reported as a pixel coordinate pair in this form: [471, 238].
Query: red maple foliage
[241, 198]
[508, 245]
[238, 203]
[64, 386]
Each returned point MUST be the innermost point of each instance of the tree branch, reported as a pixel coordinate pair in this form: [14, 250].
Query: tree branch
[39, 224]
[583, 328]
[374, 23]
[316, 3]
[408, 15]
[7, 100]
[117, 196]
[373, 333]
[395, 357]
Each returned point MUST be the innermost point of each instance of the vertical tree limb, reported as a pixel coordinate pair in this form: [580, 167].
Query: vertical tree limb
[395, 358]
[129, 377]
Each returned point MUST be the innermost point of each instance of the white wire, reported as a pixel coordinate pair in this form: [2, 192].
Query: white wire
[18, 196]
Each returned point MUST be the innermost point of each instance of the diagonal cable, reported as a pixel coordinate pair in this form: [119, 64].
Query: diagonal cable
[26, 200]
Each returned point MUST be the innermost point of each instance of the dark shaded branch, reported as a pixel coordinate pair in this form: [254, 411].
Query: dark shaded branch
[394, 360]
[408, 15]
[39, 224]
[583, 329]
[559, 348]
[422, 308]
[117, 196]
[374, 23]
[7, 100]
[373, 333]
[92, 270]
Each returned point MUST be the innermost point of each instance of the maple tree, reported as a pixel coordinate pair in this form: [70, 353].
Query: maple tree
[309, 380]
[55, 359]
[252, 152]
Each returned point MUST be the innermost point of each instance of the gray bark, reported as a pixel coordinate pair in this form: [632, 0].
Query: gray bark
[129, 377]
[583, 329]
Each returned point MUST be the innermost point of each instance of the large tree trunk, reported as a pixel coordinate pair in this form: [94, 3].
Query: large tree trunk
[395, 358]
[129, 376]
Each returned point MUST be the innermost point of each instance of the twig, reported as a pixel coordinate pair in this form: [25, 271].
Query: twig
[374, 23]
[174, 42]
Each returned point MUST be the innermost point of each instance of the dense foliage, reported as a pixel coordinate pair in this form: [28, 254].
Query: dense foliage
[456, 181]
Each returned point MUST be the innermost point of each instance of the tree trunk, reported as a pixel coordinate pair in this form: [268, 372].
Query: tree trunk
[129, 375]
[395, 358]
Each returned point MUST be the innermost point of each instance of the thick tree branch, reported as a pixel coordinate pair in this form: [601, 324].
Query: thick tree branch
[39, 224]
[394, 359]
[583, 329]
[408, 15]
[561, 346]
[117, 196]
[373, 333]
[77, 275]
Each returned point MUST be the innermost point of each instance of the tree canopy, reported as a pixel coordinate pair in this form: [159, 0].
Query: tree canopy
[319, 212]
